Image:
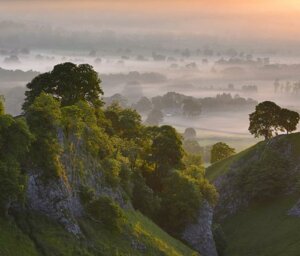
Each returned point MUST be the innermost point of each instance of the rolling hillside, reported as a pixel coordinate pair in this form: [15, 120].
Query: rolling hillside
[259, 191]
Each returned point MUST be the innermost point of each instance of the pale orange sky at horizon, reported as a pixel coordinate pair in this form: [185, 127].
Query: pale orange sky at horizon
[264, 18]
[231, 6]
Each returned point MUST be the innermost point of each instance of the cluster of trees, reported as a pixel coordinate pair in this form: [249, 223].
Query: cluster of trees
[177, 104]
[269, 119]
[288, 87]
[66, 127]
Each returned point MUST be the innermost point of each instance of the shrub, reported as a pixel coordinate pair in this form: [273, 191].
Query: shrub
[104, 209]
[143, 197]
[112, 170]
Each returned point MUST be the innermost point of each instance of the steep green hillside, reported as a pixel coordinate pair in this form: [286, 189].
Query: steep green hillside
[222, 167]
[282, 144]
[34, 234]
[264, 229]
[257, 189]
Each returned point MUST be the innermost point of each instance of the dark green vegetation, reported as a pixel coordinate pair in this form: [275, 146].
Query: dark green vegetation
[269, 118]
[68, 141]
[67, 82]
[32, 234]
[37, 235]
[264, 229]
[220, 151]
[266, 177]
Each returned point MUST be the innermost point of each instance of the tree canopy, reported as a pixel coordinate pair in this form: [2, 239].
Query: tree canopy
[269, 118]
[67, 82]
[221, 151]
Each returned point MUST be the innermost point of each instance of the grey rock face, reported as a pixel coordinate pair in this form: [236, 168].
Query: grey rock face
[295, 211]
[199, 235]
[59, 199]
[55, 200]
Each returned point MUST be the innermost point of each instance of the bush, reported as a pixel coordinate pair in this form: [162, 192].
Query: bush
[181, 200]
[104, 209]
[112, 169]
[143, 197]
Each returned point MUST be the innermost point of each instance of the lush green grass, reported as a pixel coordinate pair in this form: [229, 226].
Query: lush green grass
[221, 167]
[144, 227]
[37, 235]
[13, 242]
[140, 230]
[264, 229]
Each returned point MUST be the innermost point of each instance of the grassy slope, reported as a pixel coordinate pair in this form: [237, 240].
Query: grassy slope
[13, 242]
[222, 167]
[36, 235]
[264, 229]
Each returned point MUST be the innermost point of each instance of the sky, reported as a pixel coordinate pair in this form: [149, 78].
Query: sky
[263, 19]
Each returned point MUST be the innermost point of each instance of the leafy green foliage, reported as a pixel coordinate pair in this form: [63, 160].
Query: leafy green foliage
[44, 118]
[104, 209]
[15, 139]
[166, 148]
[144, 199]
[269, 118]
[288, 120]
[221, 151]
[191, 159]
[125, 123]
[182, 196]
[68, 83]
[112, 169]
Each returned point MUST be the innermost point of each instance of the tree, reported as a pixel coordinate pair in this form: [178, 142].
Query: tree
[125, 122]
[67, 82]
[143, 105]
[269, 118]
[182, 196]
[44, 119]
[190, 133]
[288, 120]
[221, 151]
[191, 107]
[265, 120]
[155, 117]
[167, 151]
